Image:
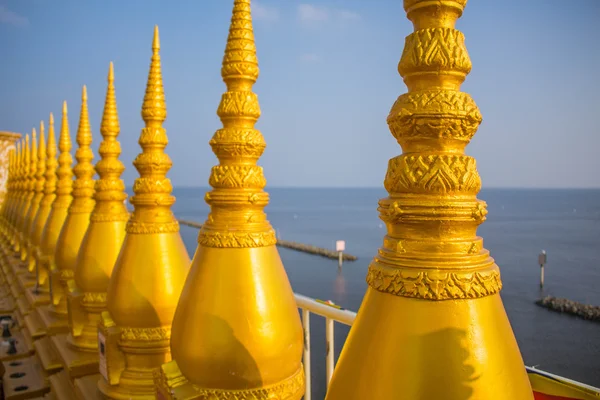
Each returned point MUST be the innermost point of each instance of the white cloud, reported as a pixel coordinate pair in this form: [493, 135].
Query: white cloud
[310, 13]
[309, 57]
[12, 18]
[263, 12]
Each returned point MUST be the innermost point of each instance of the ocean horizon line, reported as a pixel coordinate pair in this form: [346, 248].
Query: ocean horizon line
[382, 188]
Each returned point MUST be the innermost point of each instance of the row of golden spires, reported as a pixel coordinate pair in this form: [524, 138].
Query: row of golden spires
[112, 306]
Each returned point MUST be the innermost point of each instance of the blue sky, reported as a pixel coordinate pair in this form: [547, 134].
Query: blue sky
[328, 79]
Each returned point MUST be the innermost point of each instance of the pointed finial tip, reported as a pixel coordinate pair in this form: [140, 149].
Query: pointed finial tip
[33, 132]
[51, 119]
[64, 107]
[111, 72]
[156, 40]
[84, 93]
[41, 125]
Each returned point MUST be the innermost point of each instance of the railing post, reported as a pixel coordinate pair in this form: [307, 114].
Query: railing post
[330, 350]
[306, 360]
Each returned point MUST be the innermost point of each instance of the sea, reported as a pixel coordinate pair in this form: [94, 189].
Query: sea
[520, 224]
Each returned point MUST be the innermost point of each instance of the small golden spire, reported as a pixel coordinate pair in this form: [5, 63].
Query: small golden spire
[59, 262]
[64, 173]
[33, 159]
[154, 109]
[83, 186]
[238, 110]
[25, 199]
[18, 175]
[51, 162]
[110, 189]
[9, 185]
[41, 161]
[26, 163]
[152, 200]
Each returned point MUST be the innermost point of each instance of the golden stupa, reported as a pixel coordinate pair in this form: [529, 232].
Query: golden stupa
[37, 295]
[93, 268]
[53, 317]
[247, 345]
[69, 242]
[149, 274]
[432, 313]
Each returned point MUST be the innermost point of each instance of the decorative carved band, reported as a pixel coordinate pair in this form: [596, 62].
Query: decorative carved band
[142, 227]
[145, 334]
[434, 284]
[432, 173]
[224, 239]
[434, 114]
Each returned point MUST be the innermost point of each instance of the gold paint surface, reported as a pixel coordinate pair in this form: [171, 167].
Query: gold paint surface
[70, 239]
[150, 271]
[48, 196]
[7, 146]
[237, 331]
[40, 183]
[432, 324]
[78, 214]
[29, 186]
[24, 191]
[55, 222]
[106, 231]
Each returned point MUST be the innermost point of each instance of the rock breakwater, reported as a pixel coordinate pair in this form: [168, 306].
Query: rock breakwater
[585, 311]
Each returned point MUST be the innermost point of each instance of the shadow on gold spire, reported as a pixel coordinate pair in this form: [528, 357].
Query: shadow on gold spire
[432, 324]
[249, 344]
[25, 191]
[35, 226]
[80, 208]
[149, 274]
[31, 184]
[63, 180]
[45, 209]
[73, 230]
[53, 317]
[16, 196]
[106, 231]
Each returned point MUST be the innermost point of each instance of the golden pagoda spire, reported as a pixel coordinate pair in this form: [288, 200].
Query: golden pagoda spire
[150, 272]
[106, 231]
[64, 173]
[83, 186]
[6, 205]
[51, 165]
[49, 195]
[5, 215]
[78, 214]
[16, 200]
[248, 345]
[432, 324]
[40, 181]
[31, 194]
[20, 217]
[54, 316]
[31, 160]
[10, 186]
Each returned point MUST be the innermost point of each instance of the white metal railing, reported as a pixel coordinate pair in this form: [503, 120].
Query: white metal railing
[332, 315]
[346, 317]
